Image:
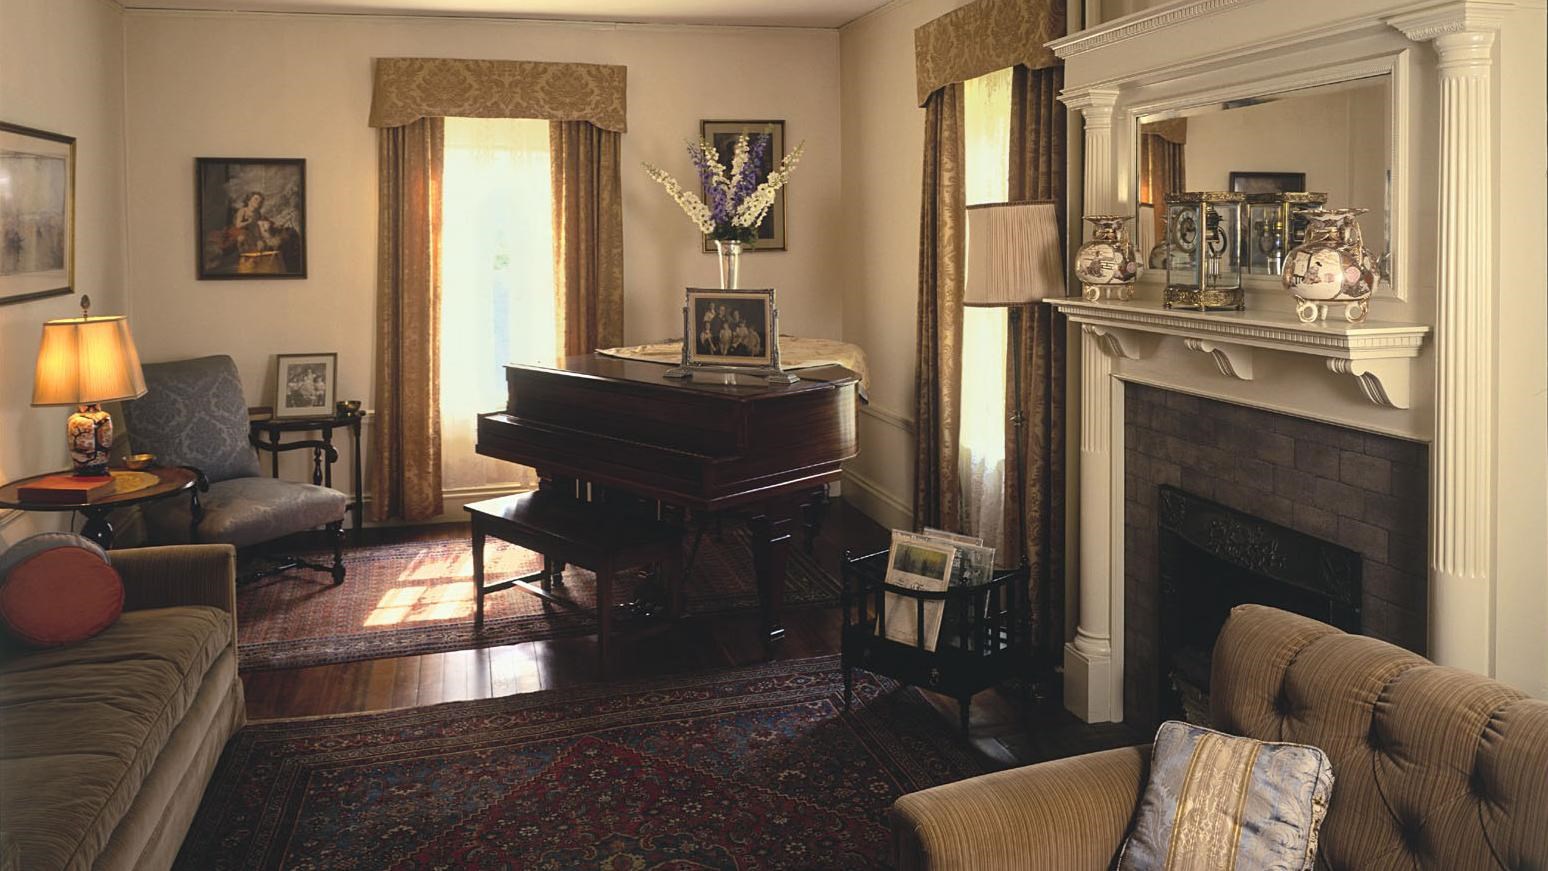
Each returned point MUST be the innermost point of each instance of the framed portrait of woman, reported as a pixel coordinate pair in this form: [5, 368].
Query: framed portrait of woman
[251, 217]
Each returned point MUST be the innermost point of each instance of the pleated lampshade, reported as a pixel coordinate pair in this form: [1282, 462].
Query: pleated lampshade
[85, 360]
[1013, 255]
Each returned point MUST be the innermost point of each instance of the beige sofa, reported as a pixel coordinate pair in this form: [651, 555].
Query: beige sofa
[106, 746]
[1435, 768]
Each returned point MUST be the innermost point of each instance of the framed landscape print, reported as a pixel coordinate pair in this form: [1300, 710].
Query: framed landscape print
[723, 134]
[304, 384]
[731, 328]
[251, 217]
[37, 214]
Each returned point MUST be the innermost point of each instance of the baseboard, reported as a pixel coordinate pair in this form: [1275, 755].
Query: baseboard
[875, 502]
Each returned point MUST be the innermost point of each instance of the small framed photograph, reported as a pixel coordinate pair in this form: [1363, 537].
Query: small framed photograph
[731, 328]
[37, 214]
[723, 135]
[1267, 182]
[305, 384]
[251, 217]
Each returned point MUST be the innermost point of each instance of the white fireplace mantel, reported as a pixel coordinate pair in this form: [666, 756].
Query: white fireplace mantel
[1458, 363]
[1378, 355]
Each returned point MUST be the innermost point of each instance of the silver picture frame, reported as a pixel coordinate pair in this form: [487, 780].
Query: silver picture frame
[728, 331]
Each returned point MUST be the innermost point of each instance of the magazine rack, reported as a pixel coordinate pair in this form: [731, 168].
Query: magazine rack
[981, 642]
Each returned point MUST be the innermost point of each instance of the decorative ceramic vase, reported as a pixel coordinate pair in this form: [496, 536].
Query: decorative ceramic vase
[1108, 260]
[730, 263]
[1331, 266]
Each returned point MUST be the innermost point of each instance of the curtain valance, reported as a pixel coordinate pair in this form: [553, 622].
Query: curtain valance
[1173, 130]
[410, 88]
[985, 36]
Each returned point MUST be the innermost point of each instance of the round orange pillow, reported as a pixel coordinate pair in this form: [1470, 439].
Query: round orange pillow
[60, 596]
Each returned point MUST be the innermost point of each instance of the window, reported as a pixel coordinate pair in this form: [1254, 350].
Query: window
[497, 281]
[981, 455]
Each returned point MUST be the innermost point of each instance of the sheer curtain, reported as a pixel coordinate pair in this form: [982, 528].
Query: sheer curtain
[497, 278]
[981, 457]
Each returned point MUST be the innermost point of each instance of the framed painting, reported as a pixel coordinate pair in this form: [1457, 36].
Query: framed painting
[251, 217]
[305, 384]
[1267, 182]
[37, 214]
[722, 135]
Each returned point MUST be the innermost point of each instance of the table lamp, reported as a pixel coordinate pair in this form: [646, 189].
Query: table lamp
[82, 362]
[1014, 259]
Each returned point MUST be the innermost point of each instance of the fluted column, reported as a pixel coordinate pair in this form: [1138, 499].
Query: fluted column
[1462, 453]
[1096, 107]
[1093, 681]
[1093, 687]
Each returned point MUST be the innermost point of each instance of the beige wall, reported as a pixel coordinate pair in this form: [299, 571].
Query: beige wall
[1521, 360]
[883, 147]
[61, 70]
[300, 86]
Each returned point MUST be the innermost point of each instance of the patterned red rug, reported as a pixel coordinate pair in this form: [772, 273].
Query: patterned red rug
[405, 599]
[757, 768]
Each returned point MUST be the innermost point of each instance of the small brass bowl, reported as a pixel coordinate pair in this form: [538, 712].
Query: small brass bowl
[348, 406]
[140, 462]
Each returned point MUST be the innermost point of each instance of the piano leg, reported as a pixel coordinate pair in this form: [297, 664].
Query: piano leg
[771, 533]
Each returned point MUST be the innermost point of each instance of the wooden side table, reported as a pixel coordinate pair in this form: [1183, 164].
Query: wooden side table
[324, 454]
[170, 481]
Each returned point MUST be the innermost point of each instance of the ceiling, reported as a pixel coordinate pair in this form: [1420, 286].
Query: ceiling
[764, 13]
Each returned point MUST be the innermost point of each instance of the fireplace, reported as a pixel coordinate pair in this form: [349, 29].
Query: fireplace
[1212, 558]
[1306, 485]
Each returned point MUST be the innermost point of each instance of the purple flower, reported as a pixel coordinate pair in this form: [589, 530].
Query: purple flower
[748, 181]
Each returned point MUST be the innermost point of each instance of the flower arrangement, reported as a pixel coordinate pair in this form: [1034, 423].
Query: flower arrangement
[737, 200]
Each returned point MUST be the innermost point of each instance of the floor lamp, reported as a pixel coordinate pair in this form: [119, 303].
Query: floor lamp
[1014, 261]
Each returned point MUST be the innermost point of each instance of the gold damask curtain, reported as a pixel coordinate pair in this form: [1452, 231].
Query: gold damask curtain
[1034, 503]
[409, 88]
[982, 37]
[938, 388]
[588, 235]
[410, 98]
[406, 446]
[1163, 168]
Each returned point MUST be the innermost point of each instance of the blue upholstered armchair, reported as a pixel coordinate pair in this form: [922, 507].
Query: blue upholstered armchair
[193, 414]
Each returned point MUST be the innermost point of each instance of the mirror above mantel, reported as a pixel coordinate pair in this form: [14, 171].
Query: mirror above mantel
[1334, 139]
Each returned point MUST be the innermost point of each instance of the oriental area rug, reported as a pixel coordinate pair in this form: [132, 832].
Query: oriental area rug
[757, 768]
[417, 597]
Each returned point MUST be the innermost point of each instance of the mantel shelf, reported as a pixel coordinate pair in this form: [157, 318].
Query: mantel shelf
[1378, 354]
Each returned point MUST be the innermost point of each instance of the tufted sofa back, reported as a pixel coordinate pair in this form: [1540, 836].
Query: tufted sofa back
[1435, 768]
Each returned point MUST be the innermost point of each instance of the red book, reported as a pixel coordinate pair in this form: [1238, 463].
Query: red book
[66, 489]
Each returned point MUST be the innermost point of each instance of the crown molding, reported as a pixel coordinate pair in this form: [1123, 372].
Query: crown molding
[1466, 16]
[1137, 24]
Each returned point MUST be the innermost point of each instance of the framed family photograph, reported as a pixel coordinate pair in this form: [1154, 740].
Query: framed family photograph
[1267, 182]
[731, 328]
[251, 217]
[305, 384]
[37, 214]
[723, 135]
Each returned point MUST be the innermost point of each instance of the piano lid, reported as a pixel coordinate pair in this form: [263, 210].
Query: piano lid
[649, 374]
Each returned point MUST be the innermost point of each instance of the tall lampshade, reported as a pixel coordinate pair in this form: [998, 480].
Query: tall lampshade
[83, 361]
[1013, 254]
[86, 360]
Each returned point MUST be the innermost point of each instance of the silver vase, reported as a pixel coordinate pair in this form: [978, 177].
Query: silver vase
[730, 256]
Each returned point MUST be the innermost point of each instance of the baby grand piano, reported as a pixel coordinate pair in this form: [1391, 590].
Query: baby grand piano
[701, 445]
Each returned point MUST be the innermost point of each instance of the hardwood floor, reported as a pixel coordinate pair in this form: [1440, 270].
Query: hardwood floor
[998, 729]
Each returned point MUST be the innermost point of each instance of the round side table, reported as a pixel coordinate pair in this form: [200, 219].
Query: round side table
[170, 481]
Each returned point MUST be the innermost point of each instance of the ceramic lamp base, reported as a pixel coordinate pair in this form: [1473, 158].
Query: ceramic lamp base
[90, 431]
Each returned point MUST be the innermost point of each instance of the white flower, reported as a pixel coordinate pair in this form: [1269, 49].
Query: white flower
[697, 212]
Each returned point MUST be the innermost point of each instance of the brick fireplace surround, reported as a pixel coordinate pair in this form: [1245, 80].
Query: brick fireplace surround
[1363, 491]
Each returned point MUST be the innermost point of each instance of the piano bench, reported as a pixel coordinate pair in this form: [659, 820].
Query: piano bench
[591, 535]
